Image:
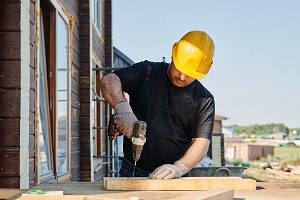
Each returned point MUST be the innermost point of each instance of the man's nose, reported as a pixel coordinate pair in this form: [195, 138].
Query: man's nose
[182, 77]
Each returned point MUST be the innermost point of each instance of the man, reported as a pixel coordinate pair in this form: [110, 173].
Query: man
[178, 109]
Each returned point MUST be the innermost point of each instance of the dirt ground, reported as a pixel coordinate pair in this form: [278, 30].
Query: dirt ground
[288, 174]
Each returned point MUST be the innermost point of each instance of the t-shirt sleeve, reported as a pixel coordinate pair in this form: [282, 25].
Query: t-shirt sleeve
[203, 125]
[132, 77]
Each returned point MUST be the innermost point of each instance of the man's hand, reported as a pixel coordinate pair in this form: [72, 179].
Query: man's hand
[124, 118]
[169, 171]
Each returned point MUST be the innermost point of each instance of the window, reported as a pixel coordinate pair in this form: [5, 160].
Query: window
[45, 154]
[53, 94]
[97, 16]
[62, 91]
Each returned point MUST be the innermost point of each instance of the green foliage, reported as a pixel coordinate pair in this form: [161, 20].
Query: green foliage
[237, 163]
[287, 154]
[263, 159]
[257, 129]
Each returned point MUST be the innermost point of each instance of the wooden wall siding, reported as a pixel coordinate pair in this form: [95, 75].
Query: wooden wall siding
[98, 46]
[108, 33]
[99, 56]
[32, 92]
[72, 9]
[10, 93]
[99, 53]
[85, 159]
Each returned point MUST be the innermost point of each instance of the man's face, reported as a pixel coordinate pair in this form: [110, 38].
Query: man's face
[178, 78]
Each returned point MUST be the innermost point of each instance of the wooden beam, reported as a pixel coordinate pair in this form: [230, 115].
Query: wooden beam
[141, 195]
[190, 183]
[9, 193]
[174, 195]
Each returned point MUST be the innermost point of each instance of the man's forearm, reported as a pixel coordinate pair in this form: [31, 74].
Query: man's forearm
[111, 89]
[195, 153]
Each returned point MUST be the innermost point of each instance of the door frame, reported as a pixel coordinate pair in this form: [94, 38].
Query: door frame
[57, 10]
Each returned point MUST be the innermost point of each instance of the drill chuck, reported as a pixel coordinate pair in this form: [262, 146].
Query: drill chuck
[138, 139]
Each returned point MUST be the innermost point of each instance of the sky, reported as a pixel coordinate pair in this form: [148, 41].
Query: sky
[255, 77]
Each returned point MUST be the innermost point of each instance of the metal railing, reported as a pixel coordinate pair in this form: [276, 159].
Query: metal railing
[111, 156]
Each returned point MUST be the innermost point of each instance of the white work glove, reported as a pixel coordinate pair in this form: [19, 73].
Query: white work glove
[124, 118]
[169, 171]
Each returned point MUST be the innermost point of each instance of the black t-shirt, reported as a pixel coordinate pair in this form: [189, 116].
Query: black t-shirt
[174, 115]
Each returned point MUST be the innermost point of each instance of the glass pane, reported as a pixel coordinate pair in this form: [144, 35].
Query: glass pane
[62, 95]
[45, 161]
[62, 43]
[62, 80]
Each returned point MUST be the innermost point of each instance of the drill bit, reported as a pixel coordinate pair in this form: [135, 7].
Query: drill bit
[133, 169]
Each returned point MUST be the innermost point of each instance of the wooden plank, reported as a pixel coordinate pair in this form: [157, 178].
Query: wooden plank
[10, 103]
[31, 123]
[51, 197]
[85, 164]
[85, 136]
[32, 34]
[10, 74]
[75, 160]
[31, 168]
[31, 146]
[32, 79]
[10, 45]
[85, 149]
[75, 86]
[75, 43]
[75, 101]
[84, 109]
[85, 175]
[10, 16]
[75, 114]
[85, 123]
[10, 132]
[75, 129]
[32, 12]
[84, 96]
[84, 82]
[203, 195]
[31, 101]
[76, 57]
[75, 144]
[190, 183]
[108, 32]
[9, 193]
[75, 72]
[84, 55]
[75, 173]
[220, 194]
[9, 165]
[85, 69]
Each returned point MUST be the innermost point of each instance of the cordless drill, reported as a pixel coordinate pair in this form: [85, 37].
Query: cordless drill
[138, 137]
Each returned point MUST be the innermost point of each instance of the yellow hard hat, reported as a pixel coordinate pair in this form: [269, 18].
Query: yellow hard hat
[193, 54]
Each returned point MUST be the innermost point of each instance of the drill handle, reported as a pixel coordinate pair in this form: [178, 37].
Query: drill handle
[113, 131]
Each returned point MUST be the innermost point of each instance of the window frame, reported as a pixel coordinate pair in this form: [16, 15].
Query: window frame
[97, 15]
[60, 13]
[51, 172]
[56, 11]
